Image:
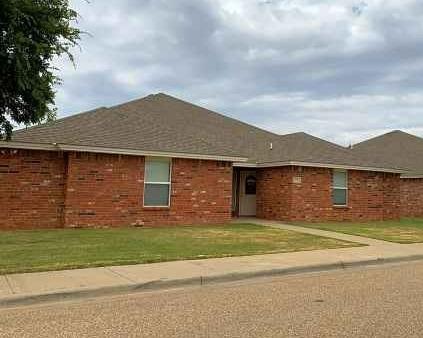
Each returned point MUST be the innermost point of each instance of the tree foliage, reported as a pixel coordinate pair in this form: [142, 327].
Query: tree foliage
[32, 33]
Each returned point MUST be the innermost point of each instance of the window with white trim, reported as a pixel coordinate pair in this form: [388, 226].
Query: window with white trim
[340, 187]
[157, 182]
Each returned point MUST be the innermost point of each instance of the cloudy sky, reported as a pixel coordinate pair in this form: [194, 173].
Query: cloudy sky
[342, 70]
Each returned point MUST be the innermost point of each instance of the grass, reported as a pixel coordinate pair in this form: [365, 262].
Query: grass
[405, 231]
[43, 250]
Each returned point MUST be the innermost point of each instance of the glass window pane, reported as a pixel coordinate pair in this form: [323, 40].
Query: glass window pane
[340, 179]
[250, 185]
[157, 170]
[156, 195]
[339, 196]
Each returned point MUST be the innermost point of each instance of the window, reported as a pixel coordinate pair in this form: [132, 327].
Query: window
[339, 187]
[157, 182]
[250, 185]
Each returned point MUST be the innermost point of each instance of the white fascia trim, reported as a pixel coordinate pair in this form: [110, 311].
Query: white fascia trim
[317, 165]
[119, 151]
[244, 165]
[412, 177]
[24, 145]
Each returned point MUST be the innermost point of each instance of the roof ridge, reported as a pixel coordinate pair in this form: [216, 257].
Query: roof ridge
[407, 134]
[392, 132]
[318, 139]
[190, 137]
[144, 98]
[132, 101]
[215, 113]
[87, 112]
[51, 123]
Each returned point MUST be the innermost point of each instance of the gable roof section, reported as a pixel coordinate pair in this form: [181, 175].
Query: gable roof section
[302, 148]
[144, 125]
[165, 126]
[396, 148]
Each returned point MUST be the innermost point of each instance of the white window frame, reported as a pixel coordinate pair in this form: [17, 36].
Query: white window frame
[340, 188]
[147, 159]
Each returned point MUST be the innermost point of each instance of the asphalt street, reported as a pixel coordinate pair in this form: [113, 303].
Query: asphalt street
[383, 301]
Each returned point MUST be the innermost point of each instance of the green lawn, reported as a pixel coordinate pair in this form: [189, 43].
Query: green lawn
[42, 250]
[405, 231]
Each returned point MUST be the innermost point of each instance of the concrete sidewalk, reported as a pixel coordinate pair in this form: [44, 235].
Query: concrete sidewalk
[27, 288]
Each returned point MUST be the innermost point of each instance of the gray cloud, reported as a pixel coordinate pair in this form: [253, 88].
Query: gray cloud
[341, 70]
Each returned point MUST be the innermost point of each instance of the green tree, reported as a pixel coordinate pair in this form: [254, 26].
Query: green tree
[32, 33]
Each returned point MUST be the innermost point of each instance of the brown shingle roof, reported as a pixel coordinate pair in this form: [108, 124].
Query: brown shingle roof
[396, 148]
[302, 147]
[163, 123]
[148, 124]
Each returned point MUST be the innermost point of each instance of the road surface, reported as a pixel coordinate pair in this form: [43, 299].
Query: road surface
[384, 301]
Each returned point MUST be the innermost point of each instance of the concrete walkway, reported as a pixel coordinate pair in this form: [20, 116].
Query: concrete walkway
[27, 288]
[317, 232]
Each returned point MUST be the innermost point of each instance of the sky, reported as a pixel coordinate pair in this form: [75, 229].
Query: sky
[340, 70]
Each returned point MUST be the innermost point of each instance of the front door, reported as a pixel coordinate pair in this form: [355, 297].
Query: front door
[247, 193]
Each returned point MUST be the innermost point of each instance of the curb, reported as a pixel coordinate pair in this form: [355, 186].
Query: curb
[75, 294]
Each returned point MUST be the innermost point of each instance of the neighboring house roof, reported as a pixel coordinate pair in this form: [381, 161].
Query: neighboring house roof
[305, 148]
[161, 124]
[397, 148]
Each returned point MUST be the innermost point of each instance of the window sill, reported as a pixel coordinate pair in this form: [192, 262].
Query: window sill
[340, 207]
[152, 208]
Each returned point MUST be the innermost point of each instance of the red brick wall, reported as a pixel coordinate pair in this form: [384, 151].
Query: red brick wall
[31, 189]
[107, 190]
[40, 189]
[274, 193]
[304, 194]
[412, 197]
[392, 196]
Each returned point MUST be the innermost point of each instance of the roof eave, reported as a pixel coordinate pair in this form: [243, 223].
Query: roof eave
[318, 165]
[411, 176]
[118, 151]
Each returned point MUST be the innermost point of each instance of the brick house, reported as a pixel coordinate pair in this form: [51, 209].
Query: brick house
[398, 148]
[162, 161]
